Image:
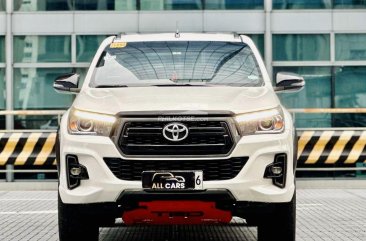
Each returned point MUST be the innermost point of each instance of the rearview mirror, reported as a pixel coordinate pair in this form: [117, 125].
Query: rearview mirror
[289, 82]
[67, 83]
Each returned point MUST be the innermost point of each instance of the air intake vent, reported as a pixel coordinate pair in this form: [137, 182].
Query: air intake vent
[213, 170]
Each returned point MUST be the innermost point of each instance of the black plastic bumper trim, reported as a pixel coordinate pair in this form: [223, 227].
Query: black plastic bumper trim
[131, 196]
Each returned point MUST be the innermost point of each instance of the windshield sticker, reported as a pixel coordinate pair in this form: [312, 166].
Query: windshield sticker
[110, 57]
[254, 77]
[118, 45]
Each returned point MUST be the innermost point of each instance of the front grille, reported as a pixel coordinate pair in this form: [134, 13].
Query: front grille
[204, 138]
[213, 170]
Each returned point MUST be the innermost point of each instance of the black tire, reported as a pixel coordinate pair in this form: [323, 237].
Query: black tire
[281, 224]
[73, 226]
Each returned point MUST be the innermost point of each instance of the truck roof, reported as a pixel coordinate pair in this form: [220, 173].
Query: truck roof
[229, 37]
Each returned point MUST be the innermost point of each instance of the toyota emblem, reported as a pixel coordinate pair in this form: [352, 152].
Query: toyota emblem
[175, 131]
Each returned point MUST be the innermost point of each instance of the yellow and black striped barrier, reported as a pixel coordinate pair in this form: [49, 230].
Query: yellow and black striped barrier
[27, 148]
[338, 148]
[316, 148]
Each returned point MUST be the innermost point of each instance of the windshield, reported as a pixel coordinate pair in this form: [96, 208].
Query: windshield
[167, 63]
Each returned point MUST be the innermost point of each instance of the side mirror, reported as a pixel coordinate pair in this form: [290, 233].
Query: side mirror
[67, 83]
[289, 82]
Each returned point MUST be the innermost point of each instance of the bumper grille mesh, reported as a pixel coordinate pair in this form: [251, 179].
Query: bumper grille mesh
[213, 170]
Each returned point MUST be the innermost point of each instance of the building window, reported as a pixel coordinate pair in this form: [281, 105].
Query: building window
[2, 5]
[171, 5]
[350, 92]
[39, 49]
[301, 47]
[2, 49]
[43, 5]
[318, 4]
[316, 94]
[2, 97]
[301, 4]
[258, 39]
[233, 4]
[2, 89]
[118, 5]
[128, 5]
[33, 89]
[86, 46]
[2, 81]
[350, 46]
[349, 3]
[79, 5]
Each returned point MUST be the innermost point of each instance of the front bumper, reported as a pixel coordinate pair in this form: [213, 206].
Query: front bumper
[130, 203]
[248, 186]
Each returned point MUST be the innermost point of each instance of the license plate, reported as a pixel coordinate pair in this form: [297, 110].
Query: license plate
[172, 180]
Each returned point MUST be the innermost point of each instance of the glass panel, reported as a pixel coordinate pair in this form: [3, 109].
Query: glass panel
[43, 5]
[86, 46]
[46, 122]
[171, 5]
[152, 5]
[2, 49]
[316, 94]
[350, 46]
[120, 5]
[33, 49]
[234, 4]
[301, 47]
[33, 89]
[350, 92]
[176, 63]
[2, 5]
[2, 97]
[349, 3]
[2, 89]
[301, 4]
[79, 5]
[258, 39]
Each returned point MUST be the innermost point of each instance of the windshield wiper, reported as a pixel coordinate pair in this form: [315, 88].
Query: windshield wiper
[111, 86]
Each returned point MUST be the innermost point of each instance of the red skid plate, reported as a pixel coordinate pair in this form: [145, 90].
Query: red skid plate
[176, 212]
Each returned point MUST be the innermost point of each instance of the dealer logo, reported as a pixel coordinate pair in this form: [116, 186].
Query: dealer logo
[175, 131]
[167, 180]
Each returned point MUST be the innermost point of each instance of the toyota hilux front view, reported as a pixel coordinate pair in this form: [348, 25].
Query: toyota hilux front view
[177, 128]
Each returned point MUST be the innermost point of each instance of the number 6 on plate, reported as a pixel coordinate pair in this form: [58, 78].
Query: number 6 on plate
[198, 180]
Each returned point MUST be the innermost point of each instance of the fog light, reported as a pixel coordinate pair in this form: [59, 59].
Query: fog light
[276, 170]
[75, 171]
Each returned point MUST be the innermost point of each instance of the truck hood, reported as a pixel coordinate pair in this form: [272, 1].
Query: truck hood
[233, 99]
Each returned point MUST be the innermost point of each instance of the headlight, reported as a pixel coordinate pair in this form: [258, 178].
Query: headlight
[89, 123]
[268, 121]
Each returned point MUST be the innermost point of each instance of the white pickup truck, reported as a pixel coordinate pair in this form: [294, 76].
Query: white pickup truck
[177, 128]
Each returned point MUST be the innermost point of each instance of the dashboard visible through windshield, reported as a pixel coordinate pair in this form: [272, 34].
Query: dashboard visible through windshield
[177, 63]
